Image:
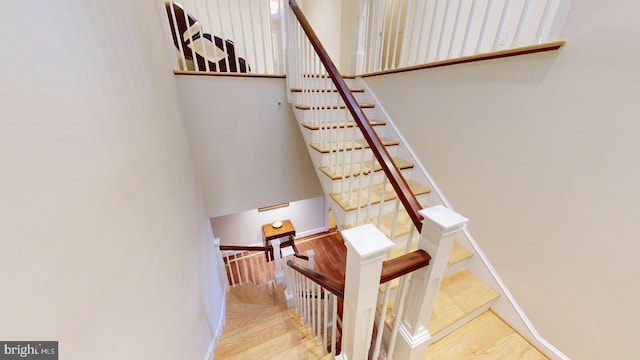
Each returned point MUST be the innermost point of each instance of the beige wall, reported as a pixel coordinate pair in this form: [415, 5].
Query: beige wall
[247, 146]
[541, 152]
[104, 242]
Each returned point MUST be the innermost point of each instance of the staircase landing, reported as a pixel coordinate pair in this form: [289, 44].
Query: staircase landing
[260, 326]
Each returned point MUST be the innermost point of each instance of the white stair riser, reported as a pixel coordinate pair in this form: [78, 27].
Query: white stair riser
[316, 136]
[328, 159]
[324, 98]
[335, 186]
[321, 83]
[351, 217]
[333, 115]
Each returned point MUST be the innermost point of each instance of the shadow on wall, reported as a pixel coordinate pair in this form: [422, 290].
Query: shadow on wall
[197, 50]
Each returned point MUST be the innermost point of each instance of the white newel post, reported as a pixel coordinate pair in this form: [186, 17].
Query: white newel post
[366, 249]
[287, 254]
[439, 230]
[277, 258]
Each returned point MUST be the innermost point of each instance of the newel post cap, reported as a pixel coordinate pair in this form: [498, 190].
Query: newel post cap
[443, 217]
[367, 240]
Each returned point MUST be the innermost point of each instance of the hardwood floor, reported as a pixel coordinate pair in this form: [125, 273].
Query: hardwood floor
[331, 254]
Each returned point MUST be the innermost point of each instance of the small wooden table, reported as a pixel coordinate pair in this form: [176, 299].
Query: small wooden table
[286, 230]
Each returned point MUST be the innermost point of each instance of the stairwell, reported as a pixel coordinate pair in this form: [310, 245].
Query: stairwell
[462, 324]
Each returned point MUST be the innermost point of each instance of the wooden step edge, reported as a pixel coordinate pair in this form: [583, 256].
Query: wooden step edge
[325, 76]
[348, 146]
[390, 195]
[317, 90]
[270, 348]
[486, 336]
[340, 125]
[333, 175]
[253, 323]
[255, 335]
[331, 107]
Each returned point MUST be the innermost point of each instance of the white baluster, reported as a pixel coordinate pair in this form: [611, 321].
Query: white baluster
[483, 28]
[467, 31]
[311, 263]
[543, 22]
[523, 18]
[500, 31]
[289, 291]
[455, 29]
[279, 274]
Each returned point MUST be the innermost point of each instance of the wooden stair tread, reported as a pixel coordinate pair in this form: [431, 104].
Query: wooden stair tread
[350, 201]
[335, 172]
[325, 90]
[460, 295]
[306, 350]
[330, 107]
[458, 253]
[485, 337]
[341, 125]
[258, 325]
[270, 348]
[403, 223]
[258, 332]
[250, 293]
[327, 76]
[349, 145]
[254, 324]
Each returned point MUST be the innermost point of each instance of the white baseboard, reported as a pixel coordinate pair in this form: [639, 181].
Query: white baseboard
[312, 231]
[218, 329]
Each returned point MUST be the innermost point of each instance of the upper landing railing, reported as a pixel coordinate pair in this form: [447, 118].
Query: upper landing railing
[402, 33]
[247, 36]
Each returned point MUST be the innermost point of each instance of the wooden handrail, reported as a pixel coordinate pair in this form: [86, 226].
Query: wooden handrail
[403, 265]
[406, 196]
[335, 286]
[244, 248]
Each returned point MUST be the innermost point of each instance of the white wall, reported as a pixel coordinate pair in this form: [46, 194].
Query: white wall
[248, 150]
[541, 152]
[245, 228]
[104, 241]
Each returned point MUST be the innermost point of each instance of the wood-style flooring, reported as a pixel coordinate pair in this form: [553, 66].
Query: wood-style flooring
[331, 253]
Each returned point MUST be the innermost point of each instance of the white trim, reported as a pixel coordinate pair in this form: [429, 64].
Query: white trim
[549, 349]
[216, 335]
[402, 139]
[422, 337]
[511, 300]
[312, 231]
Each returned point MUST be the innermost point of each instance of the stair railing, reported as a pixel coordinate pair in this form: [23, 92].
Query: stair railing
[230, 36]
[404, 33]
[259, 265]
[315, 298]
[309, 68]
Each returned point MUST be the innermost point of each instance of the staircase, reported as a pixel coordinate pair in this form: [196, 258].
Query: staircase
[260, 326]
[462, 324]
